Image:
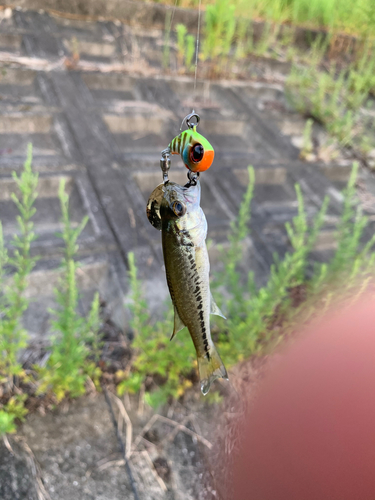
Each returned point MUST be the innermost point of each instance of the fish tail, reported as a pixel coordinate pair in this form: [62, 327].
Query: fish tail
[210, 368]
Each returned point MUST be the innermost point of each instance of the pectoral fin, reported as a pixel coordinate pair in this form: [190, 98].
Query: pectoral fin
[215, 308]
[178, 323]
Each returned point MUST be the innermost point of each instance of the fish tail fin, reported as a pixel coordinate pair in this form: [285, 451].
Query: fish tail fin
[210, 368]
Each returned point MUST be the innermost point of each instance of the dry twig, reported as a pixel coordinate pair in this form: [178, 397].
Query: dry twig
[34, 468]
[129, 426]
[179, 427]
[155, 474]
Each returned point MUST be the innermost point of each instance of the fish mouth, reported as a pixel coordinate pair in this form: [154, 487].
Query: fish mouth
[192, 194]
[189, 199]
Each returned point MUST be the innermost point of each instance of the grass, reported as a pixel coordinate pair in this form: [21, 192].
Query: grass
[332, 15]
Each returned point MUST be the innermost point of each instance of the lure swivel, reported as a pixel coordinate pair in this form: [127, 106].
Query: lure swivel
[165, 164]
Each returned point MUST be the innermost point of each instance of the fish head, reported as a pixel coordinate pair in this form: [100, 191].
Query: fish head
[181, 205]
[174, 204]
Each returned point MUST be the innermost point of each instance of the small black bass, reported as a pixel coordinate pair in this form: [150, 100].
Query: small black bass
[176, 211]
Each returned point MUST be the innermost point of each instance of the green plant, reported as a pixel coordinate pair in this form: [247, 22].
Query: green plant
[69, 364]
[13, 410]
[13, 301]
[249, 324]
[185, 47]
[350, 271]
[181, 31]
[219, 29]
[190, 51]
[349, 257]
[231, 256]
[241, 36]
[307, 146]
[336, 16]
[7, 425]
[324, 95]
[267, 40]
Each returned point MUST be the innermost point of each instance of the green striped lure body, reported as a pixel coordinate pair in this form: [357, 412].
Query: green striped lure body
[195, 150]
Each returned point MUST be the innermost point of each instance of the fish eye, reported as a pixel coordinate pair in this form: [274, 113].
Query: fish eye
[179, 208]
[196, 153]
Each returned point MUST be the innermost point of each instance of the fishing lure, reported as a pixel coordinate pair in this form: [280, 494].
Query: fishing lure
[195, 150]
[175, 211]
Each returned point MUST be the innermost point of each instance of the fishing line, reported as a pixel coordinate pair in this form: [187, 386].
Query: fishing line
[157, 86]
[172, 16]
[197, 47]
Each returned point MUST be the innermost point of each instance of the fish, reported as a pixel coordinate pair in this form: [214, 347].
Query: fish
[195, 150]
[176, 211]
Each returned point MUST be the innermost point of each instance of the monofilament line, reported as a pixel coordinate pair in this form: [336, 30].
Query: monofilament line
[197, 48]
[172, 16]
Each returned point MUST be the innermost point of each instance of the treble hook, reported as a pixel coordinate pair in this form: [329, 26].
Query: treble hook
[187, 119]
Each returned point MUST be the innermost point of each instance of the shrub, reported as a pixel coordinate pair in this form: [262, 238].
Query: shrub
[13, 302]
[69, 364]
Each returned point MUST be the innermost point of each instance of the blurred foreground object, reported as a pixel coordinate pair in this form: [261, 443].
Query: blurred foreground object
[311, 433]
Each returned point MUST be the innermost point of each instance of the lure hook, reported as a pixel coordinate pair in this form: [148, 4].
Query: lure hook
[187, 119]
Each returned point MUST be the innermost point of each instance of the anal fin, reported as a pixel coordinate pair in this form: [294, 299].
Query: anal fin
[178, 323]
[215, 308]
